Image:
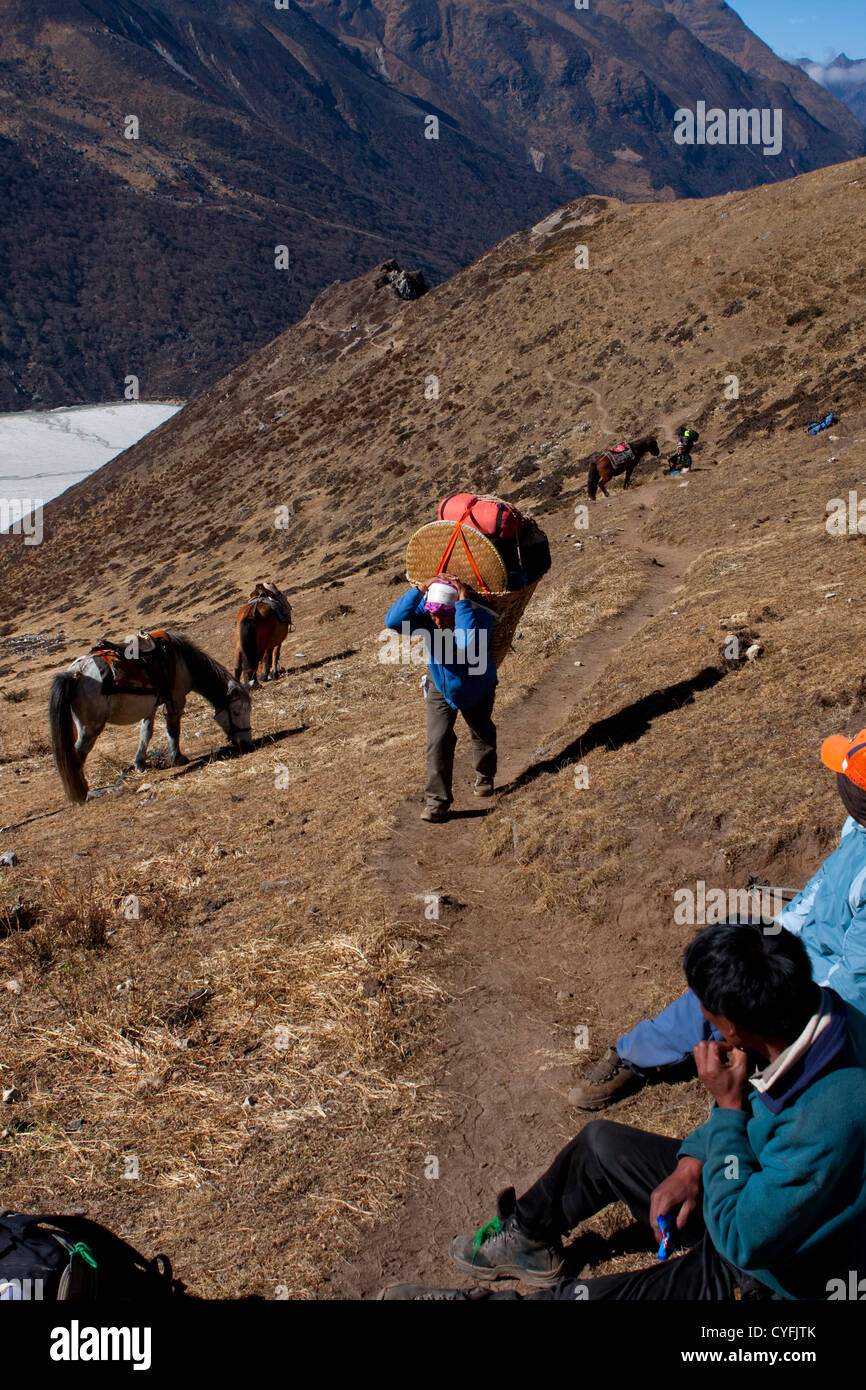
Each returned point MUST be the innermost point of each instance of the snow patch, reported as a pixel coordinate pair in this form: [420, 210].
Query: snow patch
[43, 452]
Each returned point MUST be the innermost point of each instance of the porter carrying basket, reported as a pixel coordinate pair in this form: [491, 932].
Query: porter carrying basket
[441, 547]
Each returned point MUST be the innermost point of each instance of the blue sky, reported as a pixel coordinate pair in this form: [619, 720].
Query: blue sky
[816, 29]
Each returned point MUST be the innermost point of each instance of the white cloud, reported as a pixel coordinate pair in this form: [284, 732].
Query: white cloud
[829, 76]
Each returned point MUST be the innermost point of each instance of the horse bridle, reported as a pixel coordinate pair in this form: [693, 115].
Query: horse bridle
[227, 707]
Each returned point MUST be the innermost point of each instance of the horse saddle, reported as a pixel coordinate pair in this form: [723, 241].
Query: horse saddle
[620, 455]
[142, 664]
[276, 607]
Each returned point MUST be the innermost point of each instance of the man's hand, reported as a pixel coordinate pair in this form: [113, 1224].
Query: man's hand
[681, 1190]
[455, 584]
[724, 1071]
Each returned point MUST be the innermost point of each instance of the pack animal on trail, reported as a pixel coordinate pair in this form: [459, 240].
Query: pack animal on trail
[124, 683]
[260, 630]
[611, 462]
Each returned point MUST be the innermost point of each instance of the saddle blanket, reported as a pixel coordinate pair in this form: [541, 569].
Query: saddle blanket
[275, 606]
[136, 666]
[620, 455]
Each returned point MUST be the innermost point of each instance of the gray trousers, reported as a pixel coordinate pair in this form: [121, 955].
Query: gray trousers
[442, 740]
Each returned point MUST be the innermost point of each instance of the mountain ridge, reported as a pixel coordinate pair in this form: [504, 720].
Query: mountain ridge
[261, 128]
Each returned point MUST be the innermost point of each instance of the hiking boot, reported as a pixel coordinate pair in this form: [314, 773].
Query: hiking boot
[500, 1250]
[483, 786]
[608, 1081]
[416, 1293]
[435, 812]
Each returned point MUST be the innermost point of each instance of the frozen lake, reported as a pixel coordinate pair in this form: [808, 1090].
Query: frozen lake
[43, 452]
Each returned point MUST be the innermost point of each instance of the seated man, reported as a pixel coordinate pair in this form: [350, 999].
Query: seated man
[461, 679]
[778, 1169]
[830, 917]
[681, 460]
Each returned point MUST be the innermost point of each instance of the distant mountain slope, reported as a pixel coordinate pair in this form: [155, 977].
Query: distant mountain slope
[719, 27]
[155, 257]
[844, 78]
[595, 90]
[304, 127]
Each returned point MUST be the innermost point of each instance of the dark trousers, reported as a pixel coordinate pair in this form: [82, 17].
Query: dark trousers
[442, 740]
[608, 1163]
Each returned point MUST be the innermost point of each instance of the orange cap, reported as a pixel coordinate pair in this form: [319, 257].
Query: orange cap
[846, 755]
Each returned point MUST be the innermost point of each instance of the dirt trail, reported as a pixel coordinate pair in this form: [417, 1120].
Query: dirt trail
[509, 1112]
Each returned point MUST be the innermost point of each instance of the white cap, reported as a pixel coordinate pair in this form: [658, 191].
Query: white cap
[442, 593]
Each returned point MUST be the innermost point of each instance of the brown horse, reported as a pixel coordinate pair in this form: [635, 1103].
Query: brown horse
[603, 466]
[260, 630]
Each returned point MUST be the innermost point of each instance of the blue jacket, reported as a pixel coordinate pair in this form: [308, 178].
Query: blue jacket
[830, 917]
[467, 671]
[785, 1181]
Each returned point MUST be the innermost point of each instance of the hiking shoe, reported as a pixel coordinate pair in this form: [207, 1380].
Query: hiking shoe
[608, 1081]
[500, 1250]
[409, 1293]
[434, 813]
[483, 786]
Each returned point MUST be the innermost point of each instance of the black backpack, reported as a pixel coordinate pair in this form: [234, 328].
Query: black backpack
[70, 1258]
[527, 558]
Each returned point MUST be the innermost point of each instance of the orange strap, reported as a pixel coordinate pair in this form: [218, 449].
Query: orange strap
[458, 531]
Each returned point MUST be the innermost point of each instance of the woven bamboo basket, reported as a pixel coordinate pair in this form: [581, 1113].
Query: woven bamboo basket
[510, 606]
[426, 548]
[424, 553]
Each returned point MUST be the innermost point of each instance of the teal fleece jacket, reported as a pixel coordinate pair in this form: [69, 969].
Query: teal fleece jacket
[785, 1194]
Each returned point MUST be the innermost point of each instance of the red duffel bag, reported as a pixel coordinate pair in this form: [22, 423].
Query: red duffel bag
[489, 515]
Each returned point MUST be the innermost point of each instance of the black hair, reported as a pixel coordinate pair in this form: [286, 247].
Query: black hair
[853, 797]
[759, 979]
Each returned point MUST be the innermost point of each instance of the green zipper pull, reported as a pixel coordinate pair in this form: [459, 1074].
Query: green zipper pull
[85, 1252]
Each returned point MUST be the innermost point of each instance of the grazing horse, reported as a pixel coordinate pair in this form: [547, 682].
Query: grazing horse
[260, 630]
[121, 689]
[603, 467]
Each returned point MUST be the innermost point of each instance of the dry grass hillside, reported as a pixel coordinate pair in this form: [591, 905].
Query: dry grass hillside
[285, 1035]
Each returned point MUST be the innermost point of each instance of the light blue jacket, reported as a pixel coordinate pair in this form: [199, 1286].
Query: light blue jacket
[830, 917]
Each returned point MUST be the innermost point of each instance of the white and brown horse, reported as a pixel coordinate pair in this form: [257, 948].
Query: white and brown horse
[83, 700]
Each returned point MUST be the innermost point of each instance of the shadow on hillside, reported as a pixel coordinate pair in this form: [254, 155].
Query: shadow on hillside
[227, 752]
[626, 726]
[314, 665]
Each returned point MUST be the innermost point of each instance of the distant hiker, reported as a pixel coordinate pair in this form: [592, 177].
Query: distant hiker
[829, 915]
[681, 460]
[769, 1194]
[462, 679]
